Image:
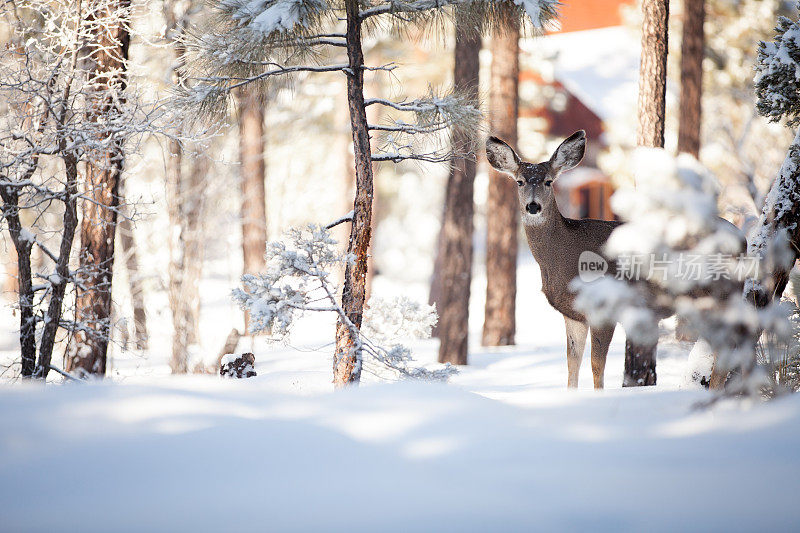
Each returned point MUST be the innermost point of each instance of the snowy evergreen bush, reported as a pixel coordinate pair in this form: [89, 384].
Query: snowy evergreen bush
[297, 280]
[777, 234]
[777, 80]
[674, 255]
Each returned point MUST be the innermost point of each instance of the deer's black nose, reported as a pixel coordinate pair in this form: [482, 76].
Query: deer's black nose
[533, 208]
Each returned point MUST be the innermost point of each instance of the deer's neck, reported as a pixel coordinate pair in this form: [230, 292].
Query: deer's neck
[545, 236]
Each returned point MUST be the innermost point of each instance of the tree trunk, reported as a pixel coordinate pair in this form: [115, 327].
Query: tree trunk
[195, 241]
[185, 196]
[346, 359]
[640, 361]
[70, 226]
[640, 365]
[653, 73]
[186, 202]
[22, 251]
[98, 227]
[454, 257]
[130, 255]
[502, 209]
[251, 154]
[692, 52]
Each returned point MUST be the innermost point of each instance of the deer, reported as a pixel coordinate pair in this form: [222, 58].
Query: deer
[557, 243]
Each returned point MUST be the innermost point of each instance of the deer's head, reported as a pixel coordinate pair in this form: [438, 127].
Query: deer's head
[535, 180]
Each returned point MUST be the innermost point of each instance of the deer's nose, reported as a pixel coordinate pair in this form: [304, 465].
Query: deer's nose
[533, 208]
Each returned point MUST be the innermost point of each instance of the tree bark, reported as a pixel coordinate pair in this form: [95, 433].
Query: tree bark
[70, 226]
[653, 73]
[22, 247]
[502, 215]
[640, 365]
[692, 53]
[98, 227]
[346, 360]
[251, 154]
[454, 255]
[186, 203]
[640, 361]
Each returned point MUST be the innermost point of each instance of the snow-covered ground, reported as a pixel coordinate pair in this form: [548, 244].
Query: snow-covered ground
[504, 446]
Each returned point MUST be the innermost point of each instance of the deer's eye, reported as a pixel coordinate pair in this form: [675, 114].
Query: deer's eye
[520, 183]
[548, 183]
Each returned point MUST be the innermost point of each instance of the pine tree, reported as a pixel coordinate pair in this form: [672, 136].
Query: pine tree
[453, 275]
[640, 360]
[653, 73]
[502, 218]
[776, 238]
[259, 41]
[692, 53]
[185, 182]
[778, 92]
[253, 181]
[109, 57]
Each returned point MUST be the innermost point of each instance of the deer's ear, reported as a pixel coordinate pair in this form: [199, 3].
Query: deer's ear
[569, 153]
[501, 156]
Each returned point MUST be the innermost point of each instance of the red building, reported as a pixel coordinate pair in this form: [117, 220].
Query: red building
[593, 66]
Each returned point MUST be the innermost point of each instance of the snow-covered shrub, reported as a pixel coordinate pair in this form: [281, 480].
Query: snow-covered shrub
[674, 255]
[297, 280]
[387, 321]
[781, 356]
[242, 366]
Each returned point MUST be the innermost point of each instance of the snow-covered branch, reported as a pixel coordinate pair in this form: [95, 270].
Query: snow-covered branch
[296, 281]
[539, 12]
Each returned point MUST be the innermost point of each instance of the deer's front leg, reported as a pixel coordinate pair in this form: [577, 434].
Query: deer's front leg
[576, 342]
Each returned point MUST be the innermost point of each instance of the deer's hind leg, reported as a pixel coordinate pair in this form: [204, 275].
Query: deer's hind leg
[576, 342]
[601, 339]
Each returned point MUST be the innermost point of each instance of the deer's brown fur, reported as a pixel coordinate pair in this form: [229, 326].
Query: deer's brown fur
[557, 242]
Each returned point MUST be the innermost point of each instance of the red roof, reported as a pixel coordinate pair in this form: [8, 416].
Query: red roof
[578, 15]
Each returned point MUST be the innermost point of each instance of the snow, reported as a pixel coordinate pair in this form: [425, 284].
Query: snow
[779, 201]
[228, 358]
[201, 454]
[26, 236]
[503, 446]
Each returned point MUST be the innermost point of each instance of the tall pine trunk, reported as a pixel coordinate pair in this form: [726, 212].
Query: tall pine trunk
[130, 254]
[502, 215]
[185, 198]
[690, 110]
[454, 254]
[179, 307]
[101, 186]
[185, 187]
[346, 360]
[640, 360]
[692, 52]
[253, 186]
